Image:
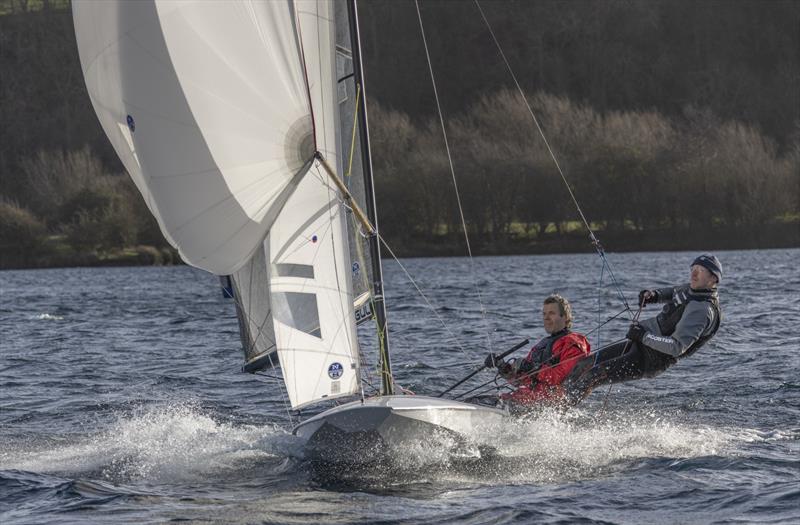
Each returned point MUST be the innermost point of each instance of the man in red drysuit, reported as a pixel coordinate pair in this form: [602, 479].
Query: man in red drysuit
[539, 375]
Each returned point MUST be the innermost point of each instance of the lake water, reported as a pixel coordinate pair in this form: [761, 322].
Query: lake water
[121, 400]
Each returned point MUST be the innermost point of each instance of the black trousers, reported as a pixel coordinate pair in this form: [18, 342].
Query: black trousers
[621, 361]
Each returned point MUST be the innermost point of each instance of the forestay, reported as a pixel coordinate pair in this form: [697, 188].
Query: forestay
[217, 109]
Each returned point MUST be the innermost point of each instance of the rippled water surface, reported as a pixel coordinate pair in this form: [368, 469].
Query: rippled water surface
[121, 400]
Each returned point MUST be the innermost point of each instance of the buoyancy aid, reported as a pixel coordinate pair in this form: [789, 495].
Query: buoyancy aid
[542, 352]
[672, 312]
[653, 362]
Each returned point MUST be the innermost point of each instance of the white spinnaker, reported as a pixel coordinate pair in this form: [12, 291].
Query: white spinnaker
[310, 284]
[216, 108]
[206, 104]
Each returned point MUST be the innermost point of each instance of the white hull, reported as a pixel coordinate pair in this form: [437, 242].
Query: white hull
[394, 423]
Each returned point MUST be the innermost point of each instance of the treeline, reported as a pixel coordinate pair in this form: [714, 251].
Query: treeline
[740, 59]
[70, 210]
[711, 161]
[630, 171]
[64, 198]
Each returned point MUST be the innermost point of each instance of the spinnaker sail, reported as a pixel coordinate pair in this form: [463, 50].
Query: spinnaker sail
[208, 107]
[217, 109]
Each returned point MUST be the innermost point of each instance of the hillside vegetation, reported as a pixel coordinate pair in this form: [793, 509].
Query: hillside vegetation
[676, 125]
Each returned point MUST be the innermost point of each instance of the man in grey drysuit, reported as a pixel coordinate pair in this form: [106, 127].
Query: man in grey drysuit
[690, 317]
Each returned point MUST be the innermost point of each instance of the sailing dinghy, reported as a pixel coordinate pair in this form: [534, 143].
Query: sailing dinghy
[243, 124]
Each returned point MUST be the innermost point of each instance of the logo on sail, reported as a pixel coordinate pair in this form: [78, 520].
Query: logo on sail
[131, 123]
[335, 371]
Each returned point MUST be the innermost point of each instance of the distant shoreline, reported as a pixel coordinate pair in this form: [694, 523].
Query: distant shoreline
[775, 236]
[131, 256]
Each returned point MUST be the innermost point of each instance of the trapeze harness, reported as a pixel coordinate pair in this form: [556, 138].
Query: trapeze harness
[627, 360]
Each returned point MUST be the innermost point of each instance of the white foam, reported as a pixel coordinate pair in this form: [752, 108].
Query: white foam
[180, 441]
[753, 435]
[157, 442]
[552, 446]
[48, 317]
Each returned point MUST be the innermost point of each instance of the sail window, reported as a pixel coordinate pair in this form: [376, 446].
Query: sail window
[343, 67]
[298, 310]
[304, 271]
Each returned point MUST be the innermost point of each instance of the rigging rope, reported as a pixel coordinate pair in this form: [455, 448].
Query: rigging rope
[595, 241]
[453, 175]
[599, 305]
[360, 250]
[536, 121]
[424, 298]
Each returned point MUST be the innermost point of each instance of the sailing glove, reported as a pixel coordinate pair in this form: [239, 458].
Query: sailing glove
[506, 369]
[636, 332]
[493, 361]
[648, 297]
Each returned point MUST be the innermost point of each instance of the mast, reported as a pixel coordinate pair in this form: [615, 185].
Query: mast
[387, 388]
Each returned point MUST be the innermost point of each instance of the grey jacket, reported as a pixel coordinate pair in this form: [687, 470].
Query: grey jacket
[699, 320]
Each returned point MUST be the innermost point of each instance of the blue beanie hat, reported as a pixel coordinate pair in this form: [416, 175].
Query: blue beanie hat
[710, 263]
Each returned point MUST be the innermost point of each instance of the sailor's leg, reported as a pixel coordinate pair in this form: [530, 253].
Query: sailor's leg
[614, 363]
[624, 366]
[654, 363]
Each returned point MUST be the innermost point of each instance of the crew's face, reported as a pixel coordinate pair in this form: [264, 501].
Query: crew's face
[700, 278]
[553, 321]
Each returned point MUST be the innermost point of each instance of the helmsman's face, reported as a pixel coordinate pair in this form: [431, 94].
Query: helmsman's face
[553, 320]
[700, 278]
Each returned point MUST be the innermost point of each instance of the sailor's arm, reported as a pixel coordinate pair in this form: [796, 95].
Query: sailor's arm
[658, 295]
[664, 294]
[694, 321]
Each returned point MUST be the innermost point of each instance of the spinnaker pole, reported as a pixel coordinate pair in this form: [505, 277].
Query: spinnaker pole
[379, 305]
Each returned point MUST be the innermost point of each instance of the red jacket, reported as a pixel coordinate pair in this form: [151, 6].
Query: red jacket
[545, 385]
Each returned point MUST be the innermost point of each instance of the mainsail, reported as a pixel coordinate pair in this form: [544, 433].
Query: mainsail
[217, 110]
[353, 174]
